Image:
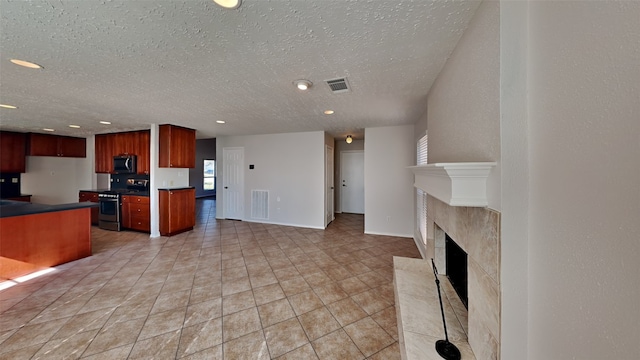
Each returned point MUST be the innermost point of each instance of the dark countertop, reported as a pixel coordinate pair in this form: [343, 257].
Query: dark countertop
[122, 192]
[10, 208]
[135, 193]
[11, 197]
[177, 188]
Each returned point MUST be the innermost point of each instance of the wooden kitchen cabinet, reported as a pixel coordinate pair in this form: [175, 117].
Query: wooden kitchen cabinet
[130, 143]
[177, 147]
[136, 213]
[104, 146]
[90, 196]
[177, 210]
[56, 145]
[143, 145]
[125, 143]
[12, 152]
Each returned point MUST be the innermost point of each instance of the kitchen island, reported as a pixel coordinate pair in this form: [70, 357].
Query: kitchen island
[37, 236]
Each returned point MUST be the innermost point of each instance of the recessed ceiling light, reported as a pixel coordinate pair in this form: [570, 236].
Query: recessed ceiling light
[47, 129]
[229, 4]
[75, 126]
[105, 122]
[26, 64]
[302, 84]
[328, 112]
[220, 121]
[8, 106]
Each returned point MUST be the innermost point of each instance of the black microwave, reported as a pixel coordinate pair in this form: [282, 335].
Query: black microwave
[124, 164]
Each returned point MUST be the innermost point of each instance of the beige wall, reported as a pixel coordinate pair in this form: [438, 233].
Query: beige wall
[463, 106]
[584, 138]
[388, 190]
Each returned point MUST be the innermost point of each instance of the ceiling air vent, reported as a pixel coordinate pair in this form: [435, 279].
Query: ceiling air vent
[338, 85]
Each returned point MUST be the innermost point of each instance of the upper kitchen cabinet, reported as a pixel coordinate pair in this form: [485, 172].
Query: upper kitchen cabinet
[12, 152]
[56, 145]
[125, 143]
[177, 147]
[105, 150]
[143, 144]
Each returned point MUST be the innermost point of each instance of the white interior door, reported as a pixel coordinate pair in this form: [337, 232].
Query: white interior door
[233, 183]
[352, 182]
[329, 191]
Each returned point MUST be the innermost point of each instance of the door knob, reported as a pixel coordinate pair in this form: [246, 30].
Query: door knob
[344, 185]
[226, 187]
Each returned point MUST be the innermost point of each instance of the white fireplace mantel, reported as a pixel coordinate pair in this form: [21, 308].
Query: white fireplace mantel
[456, 184]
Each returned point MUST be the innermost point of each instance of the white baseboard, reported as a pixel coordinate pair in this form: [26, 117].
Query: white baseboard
[388, 234]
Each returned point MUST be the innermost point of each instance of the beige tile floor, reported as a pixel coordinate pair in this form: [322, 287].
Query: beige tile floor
[226, 290]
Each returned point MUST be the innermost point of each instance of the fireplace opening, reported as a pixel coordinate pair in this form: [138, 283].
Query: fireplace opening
[456, 265]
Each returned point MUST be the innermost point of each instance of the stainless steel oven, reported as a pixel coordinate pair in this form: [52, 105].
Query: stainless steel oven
[110, 215]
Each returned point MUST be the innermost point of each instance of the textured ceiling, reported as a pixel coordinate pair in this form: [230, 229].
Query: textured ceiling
[136, 63]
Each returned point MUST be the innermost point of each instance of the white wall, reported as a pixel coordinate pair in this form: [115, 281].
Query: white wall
[584, 138]
[463, 105]
[290, 166]
[388, 184]
[57, 180]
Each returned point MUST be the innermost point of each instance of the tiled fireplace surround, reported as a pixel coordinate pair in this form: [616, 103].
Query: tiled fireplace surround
[477, 232]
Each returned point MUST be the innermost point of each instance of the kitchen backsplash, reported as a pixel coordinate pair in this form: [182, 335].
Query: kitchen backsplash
[119, 181]
[9, 185]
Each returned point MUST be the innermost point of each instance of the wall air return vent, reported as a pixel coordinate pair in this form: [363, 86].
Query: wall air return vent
[260, 204]
[338, 85]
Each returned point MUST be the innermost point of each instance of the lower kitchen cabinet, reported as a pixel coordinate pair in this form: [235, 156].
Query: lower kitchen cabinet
[90, 196]
[23, 198]
[177, 210]
[136, 213]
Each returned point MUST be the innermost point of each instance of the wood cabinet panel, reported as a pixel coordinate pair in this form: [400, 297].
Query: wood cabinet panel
[125, 143]
[143, 143]
[12, 152]
[55, 145]
[177, 147]
[125, 222]
[32, 242]
[72, 146]
[42, 145]
[136, 213]
[177, 211]
[90, 196]
[129, 143]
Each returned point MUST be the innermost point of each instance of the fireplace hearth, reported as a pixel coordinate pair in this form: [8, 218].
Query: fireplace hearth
[456, 268]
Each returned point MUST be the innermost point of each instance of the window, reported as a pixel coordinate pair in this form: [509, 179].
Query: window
[421, 196]
[209, 182]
